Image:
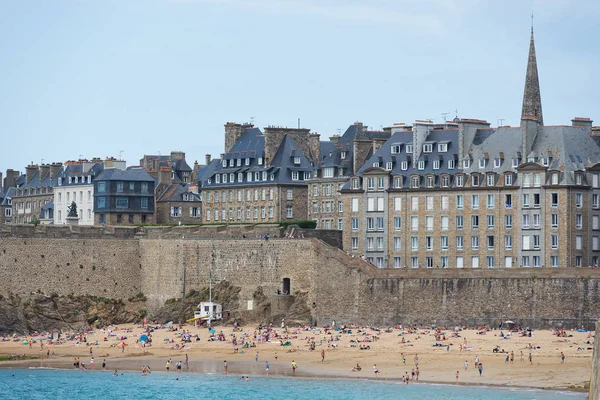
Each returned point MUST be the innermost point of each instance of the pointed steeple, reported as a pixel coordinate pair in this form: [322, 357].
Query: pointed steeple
[532, 101]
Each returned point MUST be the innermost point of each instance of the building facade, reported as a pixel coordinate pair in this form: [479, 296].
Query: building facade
[261, 178]
[124, 197]
[75, 183]
[464, 195]
[340, 158]
[179, 204]
[33, 191]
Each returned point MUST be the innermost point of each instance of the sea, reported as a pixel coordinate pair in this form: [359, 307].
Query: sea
[50, 384]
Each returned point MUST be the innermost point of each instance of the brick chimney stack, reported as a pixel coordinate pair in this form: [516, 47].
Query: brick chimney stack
[585, 123]
[207, 159]
[30, 171]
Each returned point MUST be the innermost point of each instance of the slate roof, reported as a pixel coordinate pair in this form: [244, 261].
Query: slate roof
[133, 174]
[76, 170]
[35, 181]
[251, 145]
[177, 166]
[567, 149]
[9, 194]
[175, 192]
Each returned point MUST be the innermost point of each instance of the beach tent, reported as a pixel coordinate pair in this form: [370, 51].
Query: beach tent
[143, 338]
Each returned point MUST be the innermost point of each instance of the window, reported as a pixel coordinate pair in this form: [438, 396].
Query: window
[451, 164]
[429, 223]
[421, 165]
[442, 147]
[482, 162]
[355, 204]
[508, 179]
[397, 243]
[294, 175]
[397, 203]
[296, 160]
[436, 164]
[122, 202]
[404, 165]
[131, 186]
[398, 182]
[460, 221]
[475, 201]
[474, 180]
[380, 183]
[460, 180]
[430, 181]
[429, 203]
[578, 260]
[536, 220]
[395, 149]
[388, 166]
[537, 180]
[445, 181]
[490, 261]
[414, 262]
[490, 222]
[578, 242]
[554, 220]
[525, 262]
[491, 180]
[444, 203]
[536, 242]
[475, 262]
[554, 261]
[595, 201]
[397, 223]
[459, 201]
[536, 261]
[414, 243]
[459, 262]
[508, 200]
[414, 182]
[101, 202]
[397, 262]
[508, 221]
[595, 243]
[271, 212]
[414, 203]
[554, 199]
[526, 200]
[595, 222]
[466, 164]
[144, 202]
[460, 244]
[578, 200]
[354, 222]
[340, 206]
[554, 241]
[578, 221]
[101, 187]
[354, 243]
[490, 201]
[175, 211]
[444, 223]
[409, 148]
[380, 223]
[508, 242]
[475, 242]
[414, 223]
[328, 172]
[554, 179]
[289, 194]
[578, 178]
[427, 148]
[526, 221]
[444, 242]
[379, 243]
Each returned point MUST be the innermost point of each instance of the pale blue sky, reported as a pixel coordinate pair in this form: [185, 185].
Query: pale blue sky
[93, 77]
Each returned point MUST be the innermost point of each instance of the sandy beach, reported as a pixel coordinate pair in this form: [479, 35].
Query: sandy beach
[342, 352]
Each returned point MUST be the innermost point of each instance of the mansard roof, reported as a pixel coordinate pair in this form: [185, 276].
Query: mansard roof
[175, 192]
[130, 174]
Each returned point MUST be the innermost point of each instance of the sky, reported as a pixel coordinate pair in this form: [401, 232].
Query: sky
[124, 78]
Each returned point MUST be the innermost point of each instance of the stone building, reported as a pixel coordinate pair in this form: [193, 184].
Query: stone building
[6, 206]
[75, 183]
[262, 176]
[465, 195]
[123, 197]
[34, 190]
[339, 158]
[180, 203]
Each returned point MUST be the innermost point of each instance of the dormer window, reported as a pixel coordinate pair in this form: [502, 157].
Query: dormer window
[306, 175]
[482, 163]
[544, 161]
[466, 163]
[395, 148]
[442, 147]
[328, 172]
[343, 155]
[508, 179]
[264, 176]
[421, 165]
[240, 177]
[409, 148]
[232, 177]
[404, 165]
[247, 161]
[209, 180]
[294, 175]
[249, 176]
[231, 162]
[554, 178]
[239, 162]
[376, 164]
[388, 166]
[427, 148]
[515, 162]
[272, 177]
[355, 183]
[436, 164]
[445, 180]
[59, 181]
[257, 176]
[224, 163]
[224, 177]
[217, 178]
[491, 179]
[474, 180]
[414, 182]
[260, 161]
[398, 182]
[430, 181]
[497, 163]
[578, 178]
[451, 164]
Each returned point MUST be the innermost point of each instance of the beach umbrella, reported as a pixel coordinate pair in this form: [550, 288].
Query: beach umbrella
[509, 323]
[169, 323]
[144, 338]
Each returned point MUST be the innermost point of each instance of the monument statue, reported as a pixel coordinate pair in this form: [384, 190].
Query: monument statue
[72, 210]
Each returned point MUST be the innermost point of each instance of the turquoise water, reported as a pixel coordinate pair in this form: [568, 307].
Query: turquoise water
[65, 384]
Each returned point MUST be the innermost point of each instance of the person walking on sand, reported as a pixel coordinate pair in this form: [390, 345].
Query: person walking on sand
[294, 366]
[466, 365]
[522, 356]
[506, 359]
[225, 366]
[256, 358]
[322, 355]
[530, 359]
[103, 364]
[476, 361]
[168, 365]
[187, 365]
[375, 370]
[562, 357]
[456, 376]
[480, 368]
[267, 367]
[512, 357]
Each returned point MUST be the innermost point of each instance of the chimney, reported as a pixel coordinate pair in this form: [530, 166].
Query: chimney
[315, 147]
[585, 123]
[164, 175]
[233, 132]
[334, 138]
[44, 171]
[11, 178]
[177, 155]
[466, 133]
[0, 181]
[595, 132]
[55, 169]
[30, 170]
[195, 171]
[274, 136]
[421, 129]
[207, 158]
[193, 188]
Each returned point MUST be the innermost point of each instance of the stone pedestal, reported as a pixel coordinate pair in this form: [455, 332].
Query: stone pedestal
[72, 220]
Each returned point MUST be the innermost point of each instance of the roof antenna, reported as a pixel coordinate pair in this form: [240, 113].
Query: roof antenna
[298, 123]
[121, 155]
[445, 114]
[252, 120]
[500, 122]
[456, 113]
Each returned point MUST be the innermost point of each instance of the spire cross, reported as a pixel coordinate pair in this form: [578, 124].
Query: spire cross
[532, 22]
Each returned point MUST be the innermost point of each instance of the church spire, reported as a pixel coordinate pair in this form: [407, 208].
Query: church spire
[532, 101]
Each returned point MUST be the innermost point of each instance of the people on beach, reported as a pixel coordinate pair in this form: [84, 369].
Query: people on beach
[103, 364]
[530, 359]
[322, 355]
[168, 365]
[466, 365]
[294, 366]
[480, 368]
[562, 357]
[225, 368]
[375, 370]
[456, 376]
[267, 367]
